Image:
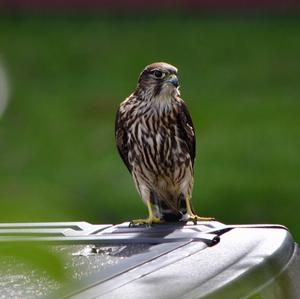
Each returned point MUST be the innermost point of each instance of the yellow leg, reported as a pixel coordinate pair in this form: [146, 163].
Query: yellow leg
[190, 214]
[150, 220]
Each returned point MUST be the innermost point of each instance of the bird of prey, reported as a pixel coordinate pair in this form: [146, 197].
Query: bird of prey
[156, 140]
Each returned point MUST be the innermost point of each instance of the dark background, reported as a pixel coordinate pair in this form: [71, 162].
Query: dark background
[70, 66]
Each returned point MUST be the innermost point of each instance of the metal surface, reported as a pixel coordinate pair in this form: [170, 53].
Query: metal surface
[85, 233]
[19, 278]
[207, 260]
[244, 260]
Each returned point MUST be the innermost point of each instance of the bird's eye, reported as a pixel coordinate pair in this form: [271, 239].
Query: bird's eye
[158, 74]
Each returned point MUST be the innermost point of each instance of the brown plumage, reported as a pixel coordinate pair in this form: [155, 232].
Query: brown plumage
[156, 140]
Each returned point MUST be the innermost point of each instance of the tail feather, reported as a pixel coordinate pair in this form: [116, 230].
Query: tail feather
[168, 208]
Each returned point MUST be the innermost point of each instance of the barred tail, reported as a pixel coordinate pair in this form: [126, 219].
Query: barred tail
[169, 210]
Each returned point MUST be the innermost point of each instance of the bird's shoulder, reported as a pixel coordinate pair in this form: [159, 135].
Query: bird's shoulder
[187, 128]
[122, 114]
[128, 104]
[183, 110]
[121, 133]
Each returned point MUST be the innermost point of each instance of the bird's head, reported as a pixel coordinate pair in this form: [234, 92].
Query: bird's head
[158, 79]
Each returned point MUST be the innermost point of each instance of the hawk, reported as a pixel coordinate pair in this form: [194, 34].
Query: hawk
[156, 140]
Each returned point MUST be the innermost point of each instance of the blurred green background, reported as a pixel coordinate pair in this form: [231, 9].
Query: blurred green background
[239, 77]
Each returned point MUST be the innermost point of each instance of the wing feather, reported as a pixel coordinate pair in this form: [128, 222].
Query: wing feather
[188, 131]
[121, 139]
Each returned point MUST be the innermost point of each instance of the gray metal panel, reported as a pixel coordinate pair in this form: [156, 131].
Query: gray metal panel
[286, 284]
[85, 233]
[180, 262]
[119, 274]
[244, 259]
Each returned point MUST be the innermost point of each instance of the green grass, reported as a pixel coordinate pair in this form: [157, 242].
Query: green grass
[239, 77]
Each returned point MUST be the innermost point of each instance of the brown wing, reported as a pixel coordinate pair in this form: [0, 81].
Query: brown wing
[121, 139]
[187, 130]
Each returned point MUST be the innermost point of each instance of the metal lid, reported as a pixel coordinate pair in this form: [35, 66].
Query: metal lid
[207, 260]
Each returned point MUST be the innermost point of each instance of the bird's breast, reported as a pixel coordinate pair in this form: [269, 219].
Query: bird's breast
[155, 143]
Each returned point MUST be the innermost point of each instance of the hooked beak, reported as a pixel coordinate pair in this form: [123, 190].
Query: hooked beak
[173, 80]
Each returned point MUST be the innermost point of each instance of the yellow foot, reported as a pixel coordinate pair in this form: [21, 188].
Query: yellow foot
[196, 218]
[147, 221]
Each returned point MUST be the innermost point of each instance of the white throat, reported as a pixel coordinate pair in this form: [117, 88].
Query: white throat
[165, 99]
